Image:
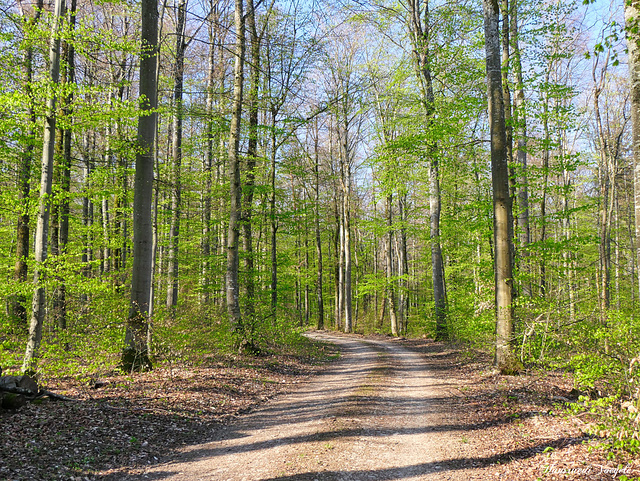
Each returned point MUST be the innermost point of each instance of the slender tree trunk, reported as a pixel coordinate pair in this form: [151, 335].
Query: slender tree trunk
[420, 29]
[346, 229]
[503, 217]
[87, 215]
[506, 90]
[632, 20]
[18, 303]
[135, 355]
[176, 151]
[389, 256]
[252, 156]
[208, 161]
[319, 279]
[339, 266]
[235, 193]
[403, 264]
[42, 228]
[545, 189]
[59, 303]
[520, 126]
[606, 178]
[274, 223]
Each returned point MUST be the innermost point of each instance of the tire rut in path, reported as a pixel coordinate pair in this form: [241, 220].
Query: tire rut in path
[376, 414]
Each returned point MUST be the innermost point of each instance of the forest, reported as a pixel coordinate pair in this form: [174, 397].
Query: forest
[201, 175]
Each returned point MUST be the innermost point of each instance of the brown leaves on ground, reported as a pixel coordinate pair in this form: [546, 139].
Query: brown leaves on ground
[122, 423]
[520, 424]
[516, 424]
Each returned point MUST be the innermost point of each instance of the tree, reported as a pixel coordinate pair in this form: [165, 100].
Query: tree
[502, 213]
[235, 189]
[135, 355]
[420, 28]
[17, 304]
[46, 179]
[176, 151]
[632, 24]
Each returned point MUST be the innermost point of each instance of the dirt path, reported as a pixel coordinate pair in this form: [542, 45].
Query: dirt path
[376, 414]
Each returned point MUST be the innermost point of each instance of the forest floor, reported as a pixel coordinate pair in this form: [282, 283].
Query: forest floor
[387, 409]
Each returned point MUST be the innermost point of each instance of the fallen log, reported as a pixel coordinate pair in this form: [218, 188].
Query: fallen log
[16, 391]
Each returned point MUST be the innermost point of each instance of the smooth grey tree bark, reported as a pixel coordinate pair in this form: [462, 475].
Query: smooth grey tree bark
[62, 206]
[632, 24]
[176, 152]
[520, 131]
[502, 213]
[34, 339]
[135, 354]
[235, 189]
[250, 176]
[391, 298]
[319, 274]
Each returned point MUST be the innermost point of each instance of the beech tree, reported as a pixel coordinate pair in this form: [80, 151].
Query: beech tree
[135, 355]
[502, 213]
[420, 28]
[632, 24]
[41, 238]
[17, 304]
[235, 192]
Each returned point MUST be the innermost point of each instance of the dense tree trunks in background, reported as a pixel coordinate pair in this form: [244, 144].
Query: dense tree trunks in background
[135, 355]
[46, 179]
[502, 214]
[235, 189]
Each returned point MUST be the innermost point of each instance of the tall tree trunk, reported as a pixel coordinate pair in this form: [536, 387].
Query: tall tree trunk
[59, 302]
[545, 188]
[520, 126]
[42, 228]
[235, 192]
[319, 279]
[339, 266]
[176, 151]
[346, 229]
[135, 355]
[420, 29]
[17, 304]
[212, 145]
[506, 91]
[606, 180]
[252, 155]
[403, 265]
[503, 217]
[391, 300]
[632, 20]
[274, 222]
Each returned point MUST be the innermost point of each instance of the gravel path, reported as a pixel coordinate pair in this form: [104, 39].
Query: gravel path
[378, 414]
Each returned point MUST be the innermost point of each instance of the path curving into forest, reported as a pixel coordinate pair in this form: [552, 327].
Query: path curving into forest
[379, 413]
